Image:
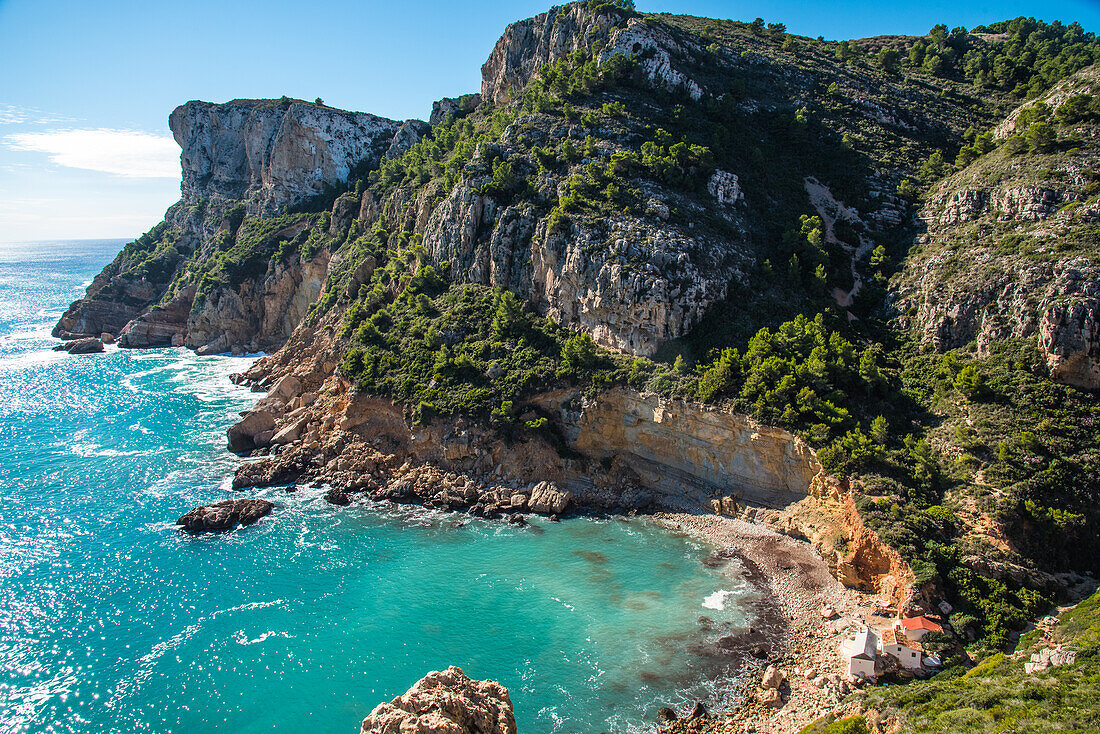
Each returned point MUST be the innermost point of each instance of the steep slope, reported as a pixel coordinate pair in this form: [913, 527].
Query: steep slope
[1012, 248]
[222, 270]
[651, 262]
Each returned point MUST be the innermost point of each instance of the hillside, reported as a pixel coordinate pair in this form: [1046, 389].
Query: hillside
[658, 261]
[1048, 684]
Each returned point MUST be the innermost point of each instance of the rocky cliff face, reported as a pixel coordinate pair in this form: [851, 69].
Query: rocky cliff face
[272, 154]
[261, 155]
[625, 450]
[445, 702]
[529, 44]
[1010, 251]
[632, 285]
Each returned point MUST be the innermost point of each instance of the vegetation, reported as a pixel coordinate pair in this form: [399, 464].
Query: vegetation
[998, 696]
[940, 444]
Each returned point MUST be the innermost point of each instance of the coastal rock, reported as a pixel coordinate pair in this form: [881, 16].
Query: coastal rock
[546, 499]
[770, 697]
[89, 345]
[224, 515]
[773, 677]
[445, 702]
[160, 326]
[244, 436]
[272, 153]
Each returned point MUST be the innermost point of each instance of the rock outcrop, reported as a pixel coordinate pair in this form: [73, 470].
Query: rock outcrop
[1009, 253]
[272, 154]
[445, 702]
[224, 515]
[529, 44]
[88, 345]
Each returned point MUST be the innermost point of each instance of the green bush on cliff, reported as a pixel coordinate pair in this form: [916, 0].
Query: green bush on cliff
[799, 375]
[464, 349]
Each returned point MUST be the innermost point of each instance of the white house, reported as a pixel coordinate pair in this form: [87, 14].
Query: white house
[907, 651]
[859, 652]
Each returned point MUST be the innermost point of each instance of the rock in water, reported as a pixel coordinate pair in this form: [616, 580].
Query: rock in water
[90, 345]
[247, 434]
[445, 702]
[224, 515]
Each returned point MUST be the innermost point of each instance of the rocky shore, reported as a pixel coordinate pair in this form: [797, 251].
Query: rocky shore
[802, 677]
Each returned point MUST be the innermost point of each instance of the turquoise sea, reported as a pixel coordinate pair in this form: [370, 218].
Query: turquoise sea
[113, 621]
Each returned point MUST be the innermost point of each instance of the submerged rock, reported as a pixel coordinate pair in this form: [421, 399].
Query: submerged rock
[225, 515]
[445, 702]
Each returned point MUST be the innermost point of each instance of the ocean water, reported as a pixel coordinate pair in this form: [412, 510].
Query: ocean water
[113, 621]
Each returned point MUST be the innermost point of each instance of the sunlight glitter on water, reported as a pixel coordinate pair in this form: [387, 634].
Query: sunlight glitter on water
[111, 620]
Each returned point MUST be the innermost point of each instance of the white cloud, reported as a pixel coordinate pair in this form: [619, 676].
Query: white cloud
[11, 114]
[128, 153]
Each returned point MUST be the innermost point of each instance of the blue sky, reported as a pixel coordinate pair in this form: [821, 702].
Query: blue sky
[86, 86]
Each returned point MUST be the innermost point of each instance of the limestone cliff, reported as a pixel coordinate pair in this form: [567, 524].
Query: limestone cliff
[213, 276]
[1010, 248]
[529, 44]
[272, 154]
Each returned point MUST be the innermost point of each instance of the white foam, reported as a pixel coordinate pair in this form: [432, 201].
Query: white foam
[717, 600]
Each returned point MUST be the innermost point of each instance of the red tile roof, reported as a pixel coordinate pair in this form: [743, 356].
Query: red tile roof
[920, 623]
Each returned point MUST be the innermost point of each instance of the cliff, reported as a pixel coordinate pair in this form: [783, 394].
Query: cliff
[243, 163]
[1010, 246]
[272, 154]
[660, 261]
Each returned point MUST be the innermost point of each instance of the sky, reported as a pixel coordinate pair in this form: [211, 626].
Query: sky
[86, 87]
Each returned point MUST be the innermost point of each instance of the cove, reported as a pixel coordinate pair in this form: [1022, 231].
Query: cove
[112, 620]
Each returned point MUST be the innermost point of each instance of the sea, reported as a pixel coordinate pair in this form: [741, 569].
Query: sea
[112, 620]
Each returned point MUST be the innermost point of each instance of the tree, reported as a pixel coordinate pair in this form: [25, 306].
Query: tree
[970, 382]
[578, 352]
[933, 168]
[1078, 108]
[933, 64]
[508, 316]
[939, 36]
[880, 430]
[888, 59]
[1040, 137]
[319, 101]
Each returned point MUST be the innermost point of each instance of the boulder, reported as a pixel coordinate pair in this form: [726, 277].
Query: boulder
[219, 345]
[666, 715]
[773, 678]
[246, 434]
[445, 702]
[107, 338]
[224, 515]
[769, 697]
[287, 388]
[546, 499]
[90, 345]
